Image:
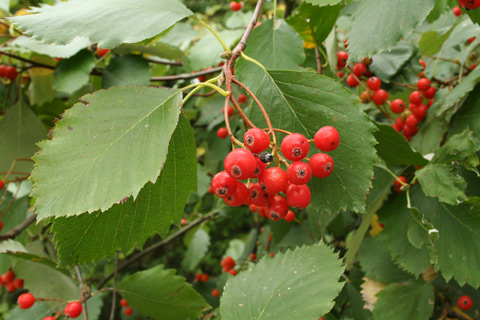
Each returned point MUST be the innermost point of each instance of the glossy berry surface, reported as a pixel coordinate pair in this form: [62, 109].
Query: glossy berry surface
[290, 216]
[416, 97]
[424, 65]
[298, 196]
[258, 196]
[380, 97]
[277, 210]
[228, 263]
[299, 172]
[465, 303]
[235, 6]
[423, 84]
[359, 69]
[342, 58]
[242, 98]
[256, 140]
[73, 309]
[26, 300]
[260, 168]
[457, 11]
[274, 180]
[397, 106]
[222, 133]
[327, 138]
[420, 111]
[351, 81]
[469, 4]
[322, 165]
[411, 121]
[238, 197]
[295, 147]
[374, 83]
[49, 318]
[430, 92]
[101, 52]
[223, 185]
[240, 164]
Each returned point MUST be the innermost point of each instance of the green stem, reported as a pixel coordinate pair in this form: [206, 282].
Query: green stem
[198, 86]
[244, 56]
[225, 47]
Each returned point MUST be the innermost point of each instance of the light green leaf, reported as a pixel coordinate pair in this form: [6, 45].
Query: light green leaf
[160, 294]
[11, 245]
[38, 311]
[235, 249]
[440, 177]
[16, 212]
[104, 150]
[394, 148]
[106, 22]
[126, 70]
[197, 249]
[379, 25]
[159, 49]
[430, 133]
[40, 90]
[73, 73]
[431, 42]
[81, 239]
[405, 301]
[54, 51]
[5, 5]
[323, 2]
[275, 287]
[20, 129]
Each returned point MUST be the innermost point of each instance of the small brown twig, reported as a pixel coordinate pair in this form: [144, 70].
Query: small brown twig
[12, 234]
[409, 86]
[241, 113]
[186, 76]
[319, 60]
[114, 295]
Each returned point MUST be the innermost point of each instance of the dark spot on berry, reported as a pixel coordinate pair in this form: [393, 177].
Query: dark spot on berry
[221, 191]
[297, 152]
[253, 194]
[249, 140]
[328, 167]
[237, 171]
[275, 215]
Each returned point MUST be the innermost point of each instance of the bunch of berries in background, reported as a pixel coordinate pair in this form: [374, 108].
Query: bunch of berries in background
[9, 281]
[266, 185]
[127, 310]
[8, 72]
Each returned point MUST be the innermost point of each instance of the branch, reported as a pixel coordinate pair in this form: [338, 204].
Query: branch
[34, 63]
[185, 76]
[163, 61]
[12, 234]
[114, 296]
[243, 42]
[319, 60]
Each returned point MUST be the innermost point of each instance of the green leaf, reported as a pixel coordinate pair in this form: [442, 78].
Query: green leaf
[160, 294]
[158, 49]
[40, 90]
[366, 38]
[314, 23]
[440, 177]
[397, 221]
[55, 51]
[126, 70]
[388, 64]
[323, 2]
[275, 287]
[106, 22]
[468, 116]
[80, 239]
[394, 148]
[430, 133]
[37, 312]
[405, 301]
[377, 263]
[20, 130]
[459, 237]
[197, 249]
[16, 212]
[73, 73]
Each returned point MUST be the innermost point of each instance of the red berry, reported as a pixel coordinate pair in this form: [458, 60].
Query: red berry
[239, 196]
[424, 65]
[202, 78]
[229, 110]
[299, 172]
[295, 146]
[457, 11]
[256, 140]
[261, 212]
[258, 196]
[253, 257]
[407, 130]
[102, 52]
[128, 311]
[430, 103]
[242, 98]
[204, 277]
[397, 184]
[260, 168]
[1, 225]
[3, 70]
[416, 97]
[409, 138]
[223, 185]
[298, 196]
[473, 66]
[8, 276]
[290, 216]
[240, 164]
[340, 74]
[228, 263]
[277, 210]
[423, 84]
[327, 138]
[235, 6]
[469, 4]
[215, 293]
[420, 111]
[11, 287]
[274, 180]
[374, 83]
[322, 165]
[465, 303]
[411, 121]
[1, 184]
[342, 58]
[73, 309]
[272, 254]
[430, 92]
[222, 133]
[123, 303]
[18, 283]
[49, 318]
[380, 97]
[253, 208]
[351, 81]
[26, 300]
[10, 72]
[397, 106]
[359, 69]
[232, 272]
[345, 43]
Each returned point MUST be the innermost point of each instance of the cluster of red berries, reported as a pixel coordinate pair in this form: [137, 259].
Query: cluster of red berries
[8, 72]
[202, 277]
[465, 303]
[228, 265]
[251, 163]
[8, 280]
[72, 309]
[235, 6]
[467, 4]
[127, 309]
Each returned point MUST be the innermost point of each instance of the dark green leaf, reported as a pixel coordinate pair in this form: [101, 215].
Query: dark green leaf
[388, 64]
[197, 249]
[73, 73]
[126, 70]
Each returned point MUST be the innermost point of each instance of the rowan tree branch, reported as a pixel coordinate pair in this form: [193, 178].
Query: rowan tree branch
[12, 234]
[186, 76]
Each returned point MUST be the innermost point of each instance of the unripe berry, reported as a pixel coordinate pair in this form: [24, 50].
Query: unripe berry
[351, 81]
[397, 106]
[322, 165]
[73, 309]
[222, 133]
[374, 83]
[223, 185]
[26, 300]
[416, 97]
[274, 180]
[299, 172]
[465, 303]
[256, 140]
[295, 147]
[380, 97]
[242, 98]
[277, 209]
[423, 84]
[327, 139]
[240, 164]
[298, 196]
[359, 69]
[290, 216]
[239, 196]
[366, 97]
